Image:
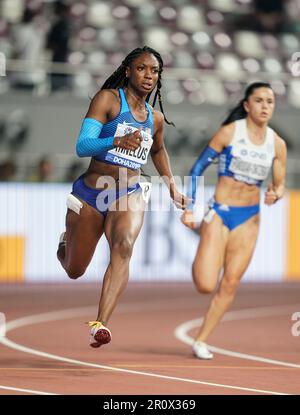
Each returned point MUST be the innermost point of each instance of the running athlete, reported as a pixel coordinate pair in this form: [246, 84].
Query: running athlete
[247, 149]
[119, 131]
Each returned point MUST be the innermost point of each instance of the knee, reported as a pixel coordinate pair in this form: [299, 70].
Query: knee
[203, 286]
[123, 247]
[230, 286]
[74, 273]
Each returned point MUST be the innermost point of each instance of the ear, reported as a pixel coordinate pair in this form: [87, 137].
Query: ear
[246, 106]
[127, 72]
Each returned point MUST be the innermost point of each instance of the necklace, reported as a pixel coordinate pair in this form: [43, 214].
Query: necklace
[141, 106]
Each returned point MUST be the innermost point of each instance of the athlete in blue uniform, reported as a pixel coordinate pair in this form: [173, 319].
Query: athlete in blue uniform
[119, 132]
[247, 149]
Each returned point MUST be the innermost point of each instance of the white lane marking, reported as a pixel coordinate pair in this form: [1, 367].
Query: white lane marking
[24, 349]
[2, 325]
[182, 330]
[69, 313]
[47, 317]
[82, 311]
[10, 388]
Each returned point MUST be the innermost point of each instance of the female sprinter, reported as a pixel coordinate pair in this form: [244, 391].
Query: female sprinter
[247, 148]
[119, 130]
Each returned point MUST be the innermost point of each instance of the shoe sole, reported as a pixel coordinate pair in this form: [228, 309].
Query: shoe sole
[202, 357]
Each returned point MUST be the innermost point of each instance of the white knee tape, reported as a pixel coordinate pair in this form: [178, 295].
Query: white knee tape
[74, 204]
[209, 215]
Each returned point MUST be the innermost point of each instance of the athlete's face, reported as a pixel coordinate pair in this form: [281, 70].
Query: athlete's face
[260, 105]
[143, 73]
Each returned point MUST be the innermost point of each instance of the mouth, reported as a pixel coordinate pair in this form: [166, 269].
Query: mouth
[147, 85]
[264, 114]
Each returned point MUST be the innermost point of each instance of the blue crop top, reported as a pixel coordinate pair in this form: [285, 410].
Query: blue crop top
[123, 124]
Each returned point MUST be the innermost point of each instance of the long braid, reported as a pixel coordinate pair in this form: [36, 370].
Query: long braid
[161, 104]
[118, 79]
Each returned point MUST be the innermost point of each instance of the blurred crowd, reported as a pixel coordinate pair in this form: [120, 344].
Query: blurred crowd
[218, 39]
[41, 172]
[33, 36]
[222, 35]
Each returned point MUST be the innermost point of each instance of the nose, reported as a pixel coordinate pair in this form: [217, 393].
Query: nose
[148, 73]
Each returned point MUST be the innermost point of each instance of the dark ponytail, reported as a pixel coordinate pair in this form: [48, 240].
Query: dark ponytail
[119, 80]
[239, 112]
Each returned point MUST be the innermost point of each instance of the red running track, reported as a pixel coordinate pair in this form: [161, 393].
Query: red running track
[49, 353]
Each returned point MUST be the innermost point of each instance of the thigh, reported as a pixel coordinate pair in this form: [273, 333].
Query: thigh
[210, 253]
[125, 218]
[240, 247]
[83, 232]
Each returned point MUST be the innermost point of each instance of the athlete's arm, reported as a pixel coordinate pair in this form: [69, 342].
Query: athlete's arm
[104, 106]
[88, 143]
[220, 140]
[161, 160]
[277, 187]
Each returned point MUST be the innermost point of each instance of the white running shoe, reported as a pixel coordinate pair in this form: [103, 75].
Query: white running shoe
[201, 351]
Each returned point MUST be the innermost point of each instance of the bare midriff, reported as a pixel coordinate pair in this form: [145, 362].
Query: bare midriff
[100, 175]
[235, 193]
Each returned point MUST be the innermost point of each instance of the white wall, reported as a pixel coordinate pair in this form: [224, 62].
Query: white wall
[164, 250]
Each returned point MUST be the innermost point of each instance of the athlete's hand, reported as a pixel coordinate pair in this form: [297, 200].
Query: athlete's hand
[181, 201]
[188, 219]
[130, 141]
[270, 195]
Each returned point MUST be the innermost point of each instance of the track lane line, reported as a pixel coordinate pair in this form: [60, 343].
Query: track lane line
[24, 349]
[68, 313]
[34, 392]
[182, 330]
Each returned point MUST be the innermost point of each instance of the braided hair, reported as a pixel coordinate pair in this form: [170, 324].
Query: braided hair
[118, 79]
[239, 112]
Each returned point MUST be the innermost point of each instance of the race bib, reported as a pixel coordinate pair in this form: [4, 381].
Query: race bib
[250, 162]
[246, 168]
[128, 158]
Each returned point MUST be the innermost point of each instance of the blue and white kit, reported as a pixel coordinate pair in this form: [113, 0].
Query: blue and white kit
[96, 139]
[245, 162]
[123, 124]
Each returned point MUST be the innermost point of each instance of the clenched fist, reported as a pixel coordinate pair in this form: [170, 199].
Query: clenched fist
[130, 141]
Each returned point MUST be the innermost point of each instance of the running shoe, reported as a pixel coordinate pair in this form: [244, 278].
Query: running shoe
[99, 334]
[201, 351]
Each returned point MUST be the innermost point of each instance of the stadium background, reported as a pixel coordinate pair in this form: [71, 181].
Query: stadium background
[56, 55]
